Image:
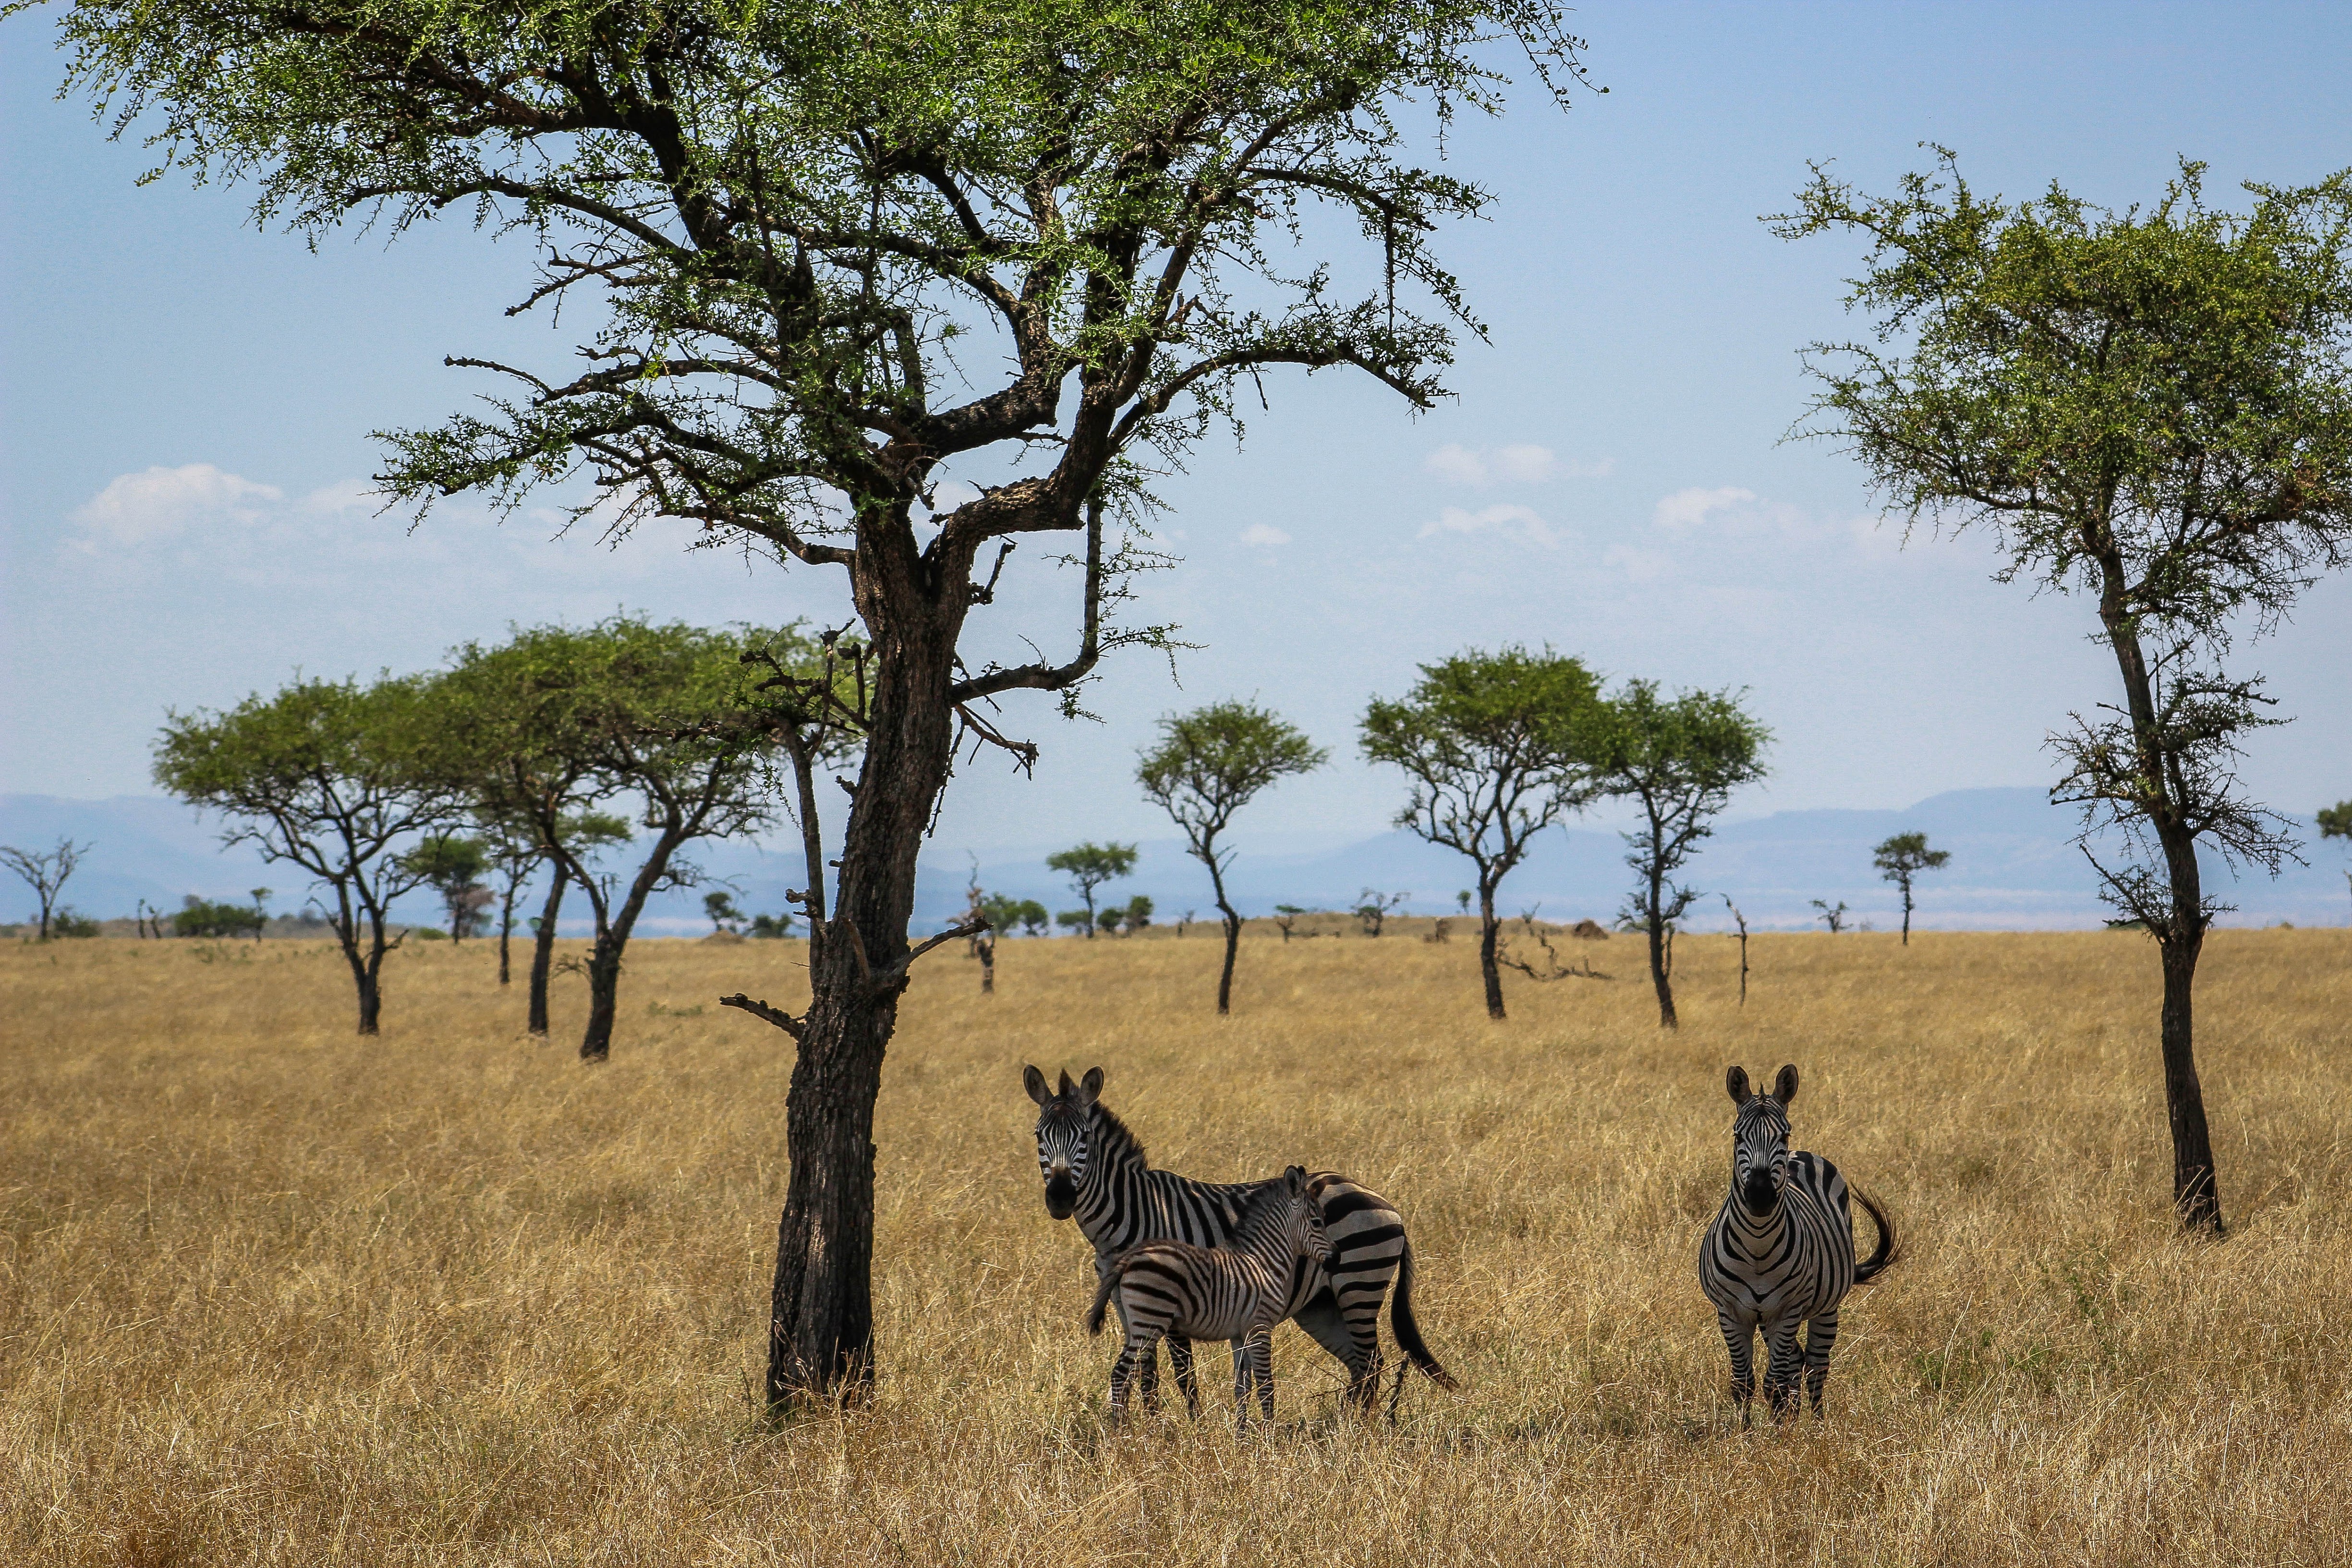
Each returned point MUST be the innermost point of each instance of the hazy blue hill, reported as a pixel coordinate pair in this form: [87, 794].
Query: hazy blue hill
[2013, 866]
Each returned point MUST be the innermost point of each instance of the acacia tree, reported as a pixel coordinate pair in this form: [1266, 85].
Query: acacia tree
[452, 866]
[1088, 866]
[46, 872]
[1210, 763]
[566, 719]
[1678, 760]
[785, 221]
[1498, 747]
[327, 775]
[2336, 822]
[1903, 857]
[2152, 408]
[584, 835]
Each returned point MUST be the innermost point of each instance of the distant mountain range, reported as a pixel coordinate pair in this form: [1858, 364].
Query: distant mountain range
[2014, 868]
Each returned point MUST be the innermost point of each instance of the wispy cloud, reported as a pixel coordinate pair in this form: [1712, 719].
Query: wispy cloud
[1689, 508]
[1514, 522]
[1521, 464]
[1264, 536]
[158, 503]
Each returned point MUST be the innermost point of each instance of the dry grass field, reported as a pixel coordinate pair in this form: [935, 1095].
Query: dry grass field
[271, 1294]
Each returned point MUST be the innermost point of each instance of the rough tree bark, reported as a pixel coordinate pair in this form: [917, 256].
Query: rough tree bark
[1490, 936]
[542, 951]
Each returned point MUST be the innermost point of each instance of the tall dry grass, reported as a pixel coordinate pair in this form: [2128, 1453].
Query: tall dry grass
[271, 1294]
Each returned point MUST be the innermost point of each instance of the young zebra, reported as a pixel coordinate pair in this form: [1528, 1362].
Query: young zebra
[1094, 1168]
[1781, 1252]
[1236, 1292]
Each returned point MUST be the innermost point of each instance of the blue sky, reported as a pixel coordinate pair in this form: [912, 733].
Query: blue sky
[186, 423]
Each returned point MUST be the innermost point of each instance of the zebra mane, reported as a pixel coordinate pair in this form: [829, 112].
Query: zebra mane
[1119, 1144]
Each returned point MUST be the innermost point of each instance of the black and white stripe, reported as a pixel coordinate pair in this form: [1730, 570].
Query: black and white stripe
[1236, 1293]
[1780, 1251]
[1095, 1169]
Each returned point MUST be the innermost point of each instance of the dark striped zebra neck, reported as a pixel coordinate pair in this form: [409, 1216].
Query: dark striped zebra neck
[1124, 1203]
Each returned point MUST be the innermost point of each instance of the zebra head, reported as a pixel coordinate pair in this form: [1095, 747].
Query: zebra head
[1314, 1239]
[1064, 1130]
[1760, 1139]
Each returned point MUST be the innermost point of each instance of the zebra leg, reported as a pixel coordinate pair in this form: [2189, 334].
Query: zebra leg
[1142, 1347]
[1353, 1336]
[1741, 1341]
[1179, 1360]
[1243, 1374]
[1820, 1335]
[1261, 1349]
[1784, 1369]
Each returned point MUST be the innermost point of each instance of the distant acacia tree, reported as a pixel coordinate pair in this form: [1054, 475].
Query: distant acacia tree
[512, 846]
[1902, 857]
[719, 908]
[1831, 915]
[2154, 407]
[559, 719]
[1207, 765]
[452, 866]
[1677, 760]
[583, 836]
[1088, 866]
[1374, 907]
[1498, 747]
[2336, 822]
[327, 775]
[46, 872]
[836, 254]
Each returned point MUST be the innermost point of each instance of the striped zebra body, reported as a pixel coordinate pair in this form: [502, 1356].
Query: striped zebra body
[1235, 1292]
[1096, 1171]
[1781, 1252]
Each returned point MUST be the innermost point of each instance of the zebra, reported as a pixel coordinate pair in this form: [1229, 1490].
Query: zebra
[1236, 1292]
[1780, 1251]
[1095, 1169]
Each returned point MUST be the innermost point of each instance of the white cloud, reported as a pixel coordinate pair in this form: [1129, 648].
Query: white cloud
[1517, 521]
[1523, 463]
[1264, 535]
[1641, 565]
[1690, 507]
[137, 509]
[343, 496]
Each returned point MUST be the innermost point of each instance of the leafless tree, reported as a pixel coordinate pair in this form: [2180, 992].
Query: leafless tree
[47, 873]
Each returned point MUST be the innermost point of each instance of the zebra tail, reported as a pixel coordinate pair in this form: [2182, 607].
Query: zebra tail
[1408, 1333]
[1889, 1248]
[1103, 1292]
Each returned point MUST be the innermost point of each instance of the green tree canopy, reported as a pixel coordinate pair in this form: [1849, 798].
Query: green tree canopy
[332, 777]
[452, 866]
[2153, 407]
[1207, 765]
[1498, 747]
[665, 718]
[1902, 857]
[1089, 865]
[1677, 760]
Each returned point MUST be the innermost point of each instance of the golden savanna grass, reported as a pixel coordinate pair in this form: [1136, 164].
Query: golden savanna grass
[272, 1294]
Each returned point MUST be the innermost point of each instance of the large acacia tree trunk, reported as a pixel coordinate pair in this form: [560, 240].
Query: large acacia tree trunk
[2180, 934]
[603, 999]
[821, 1316]
[543, 953]
[1232, 924]
[1659, 979]
[1490, 935]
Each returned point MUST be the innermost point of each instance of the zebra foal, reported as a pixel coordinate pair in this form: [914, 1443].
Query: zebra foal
[1780, 1251]
[1237, 1292]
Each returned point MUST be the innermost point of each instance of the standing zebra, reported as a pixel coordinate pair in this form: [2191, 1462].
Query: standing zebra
[1094, 1168]
[1236, 1292]
[1780, 1251]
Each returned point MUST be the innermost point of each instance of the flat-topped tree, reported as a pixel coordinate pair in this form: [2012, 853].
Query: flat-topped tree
[561, 720]
[2153, 408]
[1498, 747]
[808, 236]
[1677, 760]
[2336, 822]
[1208, 764]
[1088, 866]
[45, 871]
[329, 776]
[1901, 858]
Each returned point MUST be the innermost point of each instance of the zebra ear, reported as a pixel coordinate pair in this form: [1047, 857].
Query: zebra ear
[1294, 1178]
[1736, 1082]
[1035, 1082]
[1089, 1086]
[1784, 1087]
